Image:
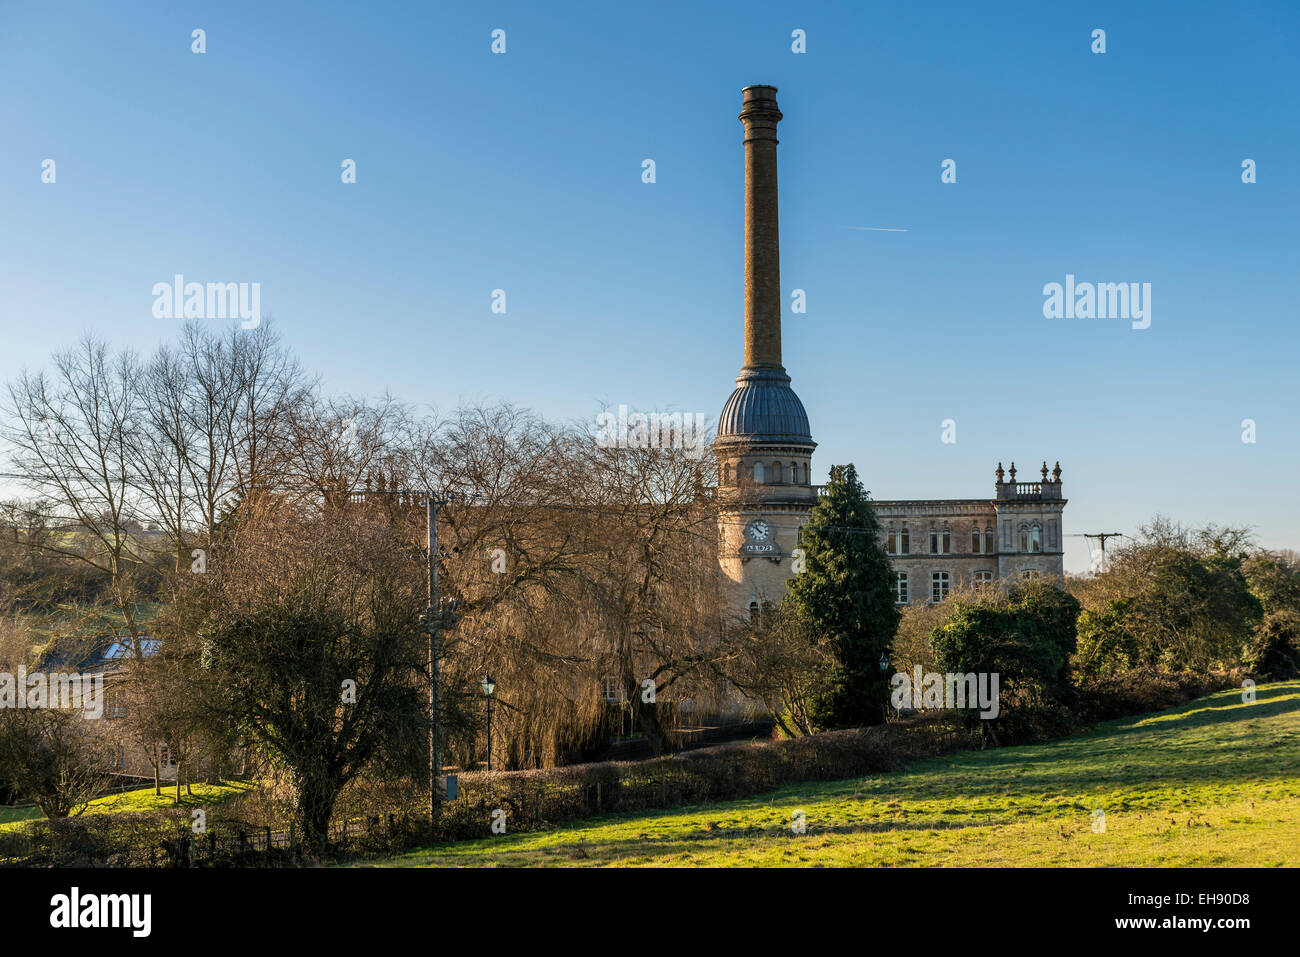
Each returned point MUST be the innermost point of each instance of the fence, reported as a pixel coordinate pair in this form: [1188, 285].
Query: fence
[153, 839]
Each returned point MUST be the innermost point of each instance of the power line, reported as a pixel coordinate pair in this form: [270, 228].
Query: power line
[1101, 537]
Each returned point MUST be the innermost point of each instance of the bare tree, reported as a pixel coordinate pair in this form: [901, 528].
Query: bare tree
[778, 660]
[72, 432]
[310, 628]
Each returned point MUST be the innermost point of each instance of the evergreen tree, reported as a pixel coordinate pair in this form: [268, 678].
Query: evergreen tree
[845, 596]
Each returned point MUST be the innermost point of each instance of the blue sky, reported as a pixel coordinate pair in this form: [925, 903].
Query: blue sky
[522, 172]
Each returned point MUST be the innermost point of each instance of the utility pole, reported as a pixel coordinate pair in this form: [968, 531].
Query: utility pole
[1101, 537]
[432, 619]
[432, 613]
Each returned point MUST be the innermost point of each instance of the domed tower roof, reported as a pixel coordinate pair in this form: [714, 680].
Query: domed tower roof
[764, 409]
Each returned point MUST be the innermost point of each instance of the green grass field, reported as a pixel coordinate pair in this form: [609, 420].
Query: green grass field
[1214, 782]
[205, 795]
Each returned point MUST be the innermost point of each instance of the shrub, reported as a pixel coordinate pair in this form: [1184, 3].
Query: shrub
[1274, 649]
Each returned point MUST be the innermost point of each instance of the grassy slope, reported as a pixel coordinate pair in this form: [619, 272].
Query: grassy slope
[1213, 782]
[205, 795]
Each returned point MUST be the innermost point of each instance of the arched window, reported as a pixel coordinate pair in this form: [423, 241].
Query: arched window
[904, 541]
[794, 473]
[1035, 538]
[940, 540]
[891, 541]
[776, 473]
[758, 473]
[988, 541]
[753, 610]
[975, 540]
[1024, 538]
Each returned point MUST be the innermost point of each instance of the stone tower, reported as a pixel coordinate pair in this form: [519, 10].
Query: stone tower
[764, 446]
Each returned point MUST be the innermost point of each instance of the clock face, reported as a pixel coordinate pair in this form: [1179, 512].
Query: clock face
[759, 530]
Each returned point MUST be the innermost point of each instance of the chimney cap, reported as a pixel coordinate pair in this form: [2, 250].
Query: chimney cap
[759, 105]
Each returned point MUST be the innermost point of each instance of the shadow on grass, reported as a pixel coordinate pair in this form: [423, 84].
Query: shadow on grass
[1220, 708]
[1180, 746]
[606, 849]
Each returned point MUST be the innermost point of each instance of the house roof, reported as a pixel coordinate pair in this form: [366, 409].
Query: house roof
[100, 653]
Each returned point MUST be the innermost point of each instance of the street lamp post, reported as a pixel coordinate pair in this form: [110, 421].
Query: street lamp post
[489, 688]
[884, 670]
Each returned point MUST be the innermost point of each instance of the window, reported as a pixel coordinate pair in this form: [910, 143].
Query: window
[975, 540]
[114, 706]
[983, 578]
[891, 542]
[753, 611]
[941, 541]
[934, 541]
[939, 583]
[904, 541]
[1024, 538]
[900, 588]
[776, 473]
[1035, 538]
[1053, 541]
[1030, 574]
[988, 541]
[758, 473]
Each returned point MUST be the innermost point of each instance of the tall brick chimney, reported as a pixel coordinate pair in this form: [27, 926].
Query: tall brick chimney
[763, 428]
[760, 115]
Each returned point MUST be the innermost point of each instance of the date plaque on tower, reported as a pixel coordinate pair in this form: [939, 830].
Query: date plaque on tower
[760, 541]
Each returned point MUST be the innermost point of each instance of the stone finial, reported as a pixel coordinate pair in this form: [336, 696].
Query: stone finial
[1056, 473]
[1013, 472]
[999, 473]
[1044, 470]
